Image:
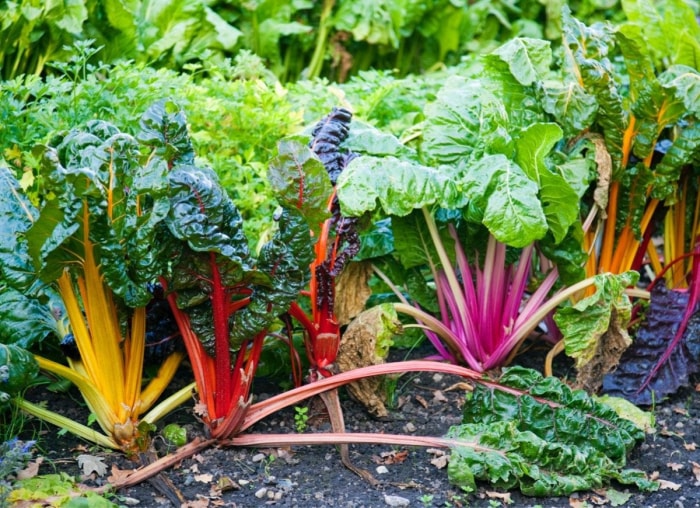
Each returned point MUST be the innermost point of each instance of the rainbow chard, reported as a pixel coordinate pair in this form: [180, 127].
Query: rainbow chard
[87, 255]
[304, 178]
[223, 297]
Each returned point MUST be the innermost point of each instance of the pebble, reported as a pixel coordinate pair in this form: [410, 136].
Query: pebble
[261, 493]
[382, 470]
[409, 427]
[437, 377]
[243, 483]
[258, 457]
[129, 501]
[396, 500]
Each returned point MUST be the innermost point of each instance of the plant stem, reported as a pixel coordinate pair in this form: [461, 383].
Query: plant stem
[71, 426]
[320, 49]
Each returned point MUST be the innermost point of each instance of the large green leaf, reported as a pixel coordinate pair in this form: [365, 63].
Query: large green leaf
[17, 214]
[588, 49]
[508, 200]
[203, 215]
[541, 437]
[528, 59]
[101, 191]
[573, 108]
[28, 318]
[399, 186]
[285, 259]
[559, 199]
[463, 121]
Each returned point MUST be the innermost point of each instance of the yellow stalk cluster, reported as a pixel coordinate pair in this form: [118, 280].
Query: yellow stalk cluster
[109, 371]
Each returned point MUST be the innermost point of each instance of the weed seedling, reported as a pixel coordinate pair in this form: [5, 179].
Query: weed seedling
[301, 418]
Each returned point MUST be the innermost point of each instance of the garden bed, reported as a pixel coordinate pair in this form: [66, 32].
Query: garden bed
[426, 404]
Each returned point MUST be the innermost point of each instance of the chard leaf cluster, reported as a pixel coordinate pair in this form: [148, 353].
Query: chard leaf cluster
[543, 438]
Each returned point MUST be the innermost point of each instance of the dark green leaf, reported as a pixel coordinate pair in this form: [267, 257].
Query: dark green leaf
[301, 181]
[164, 129]
[18, 368]
[17, 215]
[543, 438]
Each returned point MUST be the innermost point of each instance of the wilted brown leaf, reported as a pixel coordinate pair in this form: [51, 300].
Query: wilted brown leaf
[438, 396]
[440, 458]
[119, 475]
[352, 290]
[502, 496]
[203, 478]
[665, 484]
[681, 411]
[389, 458]
[690, 446]
[696, 470]
[31, 470]
[421, 401]
[675, 466]
[92, 464]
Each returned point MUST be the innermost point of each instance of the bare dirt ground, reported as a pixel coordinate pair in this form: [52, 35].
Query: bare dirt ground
[313, 476]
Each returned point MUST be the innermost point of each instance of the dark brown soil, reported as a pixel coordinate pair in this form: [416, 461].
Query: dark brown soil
[313, 476]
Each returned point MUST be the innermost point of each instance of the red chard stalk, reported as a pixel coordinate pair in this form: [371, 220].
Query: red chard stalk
[306, 177]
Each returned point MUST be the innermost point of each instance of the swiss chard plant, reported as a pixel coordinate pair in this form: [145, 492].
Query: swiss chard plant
[488, 192]
[223, 297]
[78, 267]
[305, 178]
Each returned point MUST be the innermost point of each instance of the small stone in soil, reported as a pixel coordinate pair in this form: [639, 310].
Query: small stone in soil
[382, 470]
[396, 500]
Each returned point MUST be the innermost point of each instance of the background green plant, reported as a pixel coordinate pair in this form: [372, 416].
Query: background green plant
[296, 39]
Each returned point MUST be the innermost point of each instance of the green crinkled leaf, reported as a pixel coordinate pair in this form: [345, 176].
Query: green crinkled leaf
[18, 368]
[28, 317]
[528, 59]
[541, 437]
[203, 215]
[285, 260]
[570, 104]
[684, 150]
[585, 322]
[368, 140]
[164, 128]
[464, 120]
[503, 455]
[100, 187]
[507, 199]
[300, 181]
[685, 83]
[655, 108]
[399, 186]
[589, 48]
